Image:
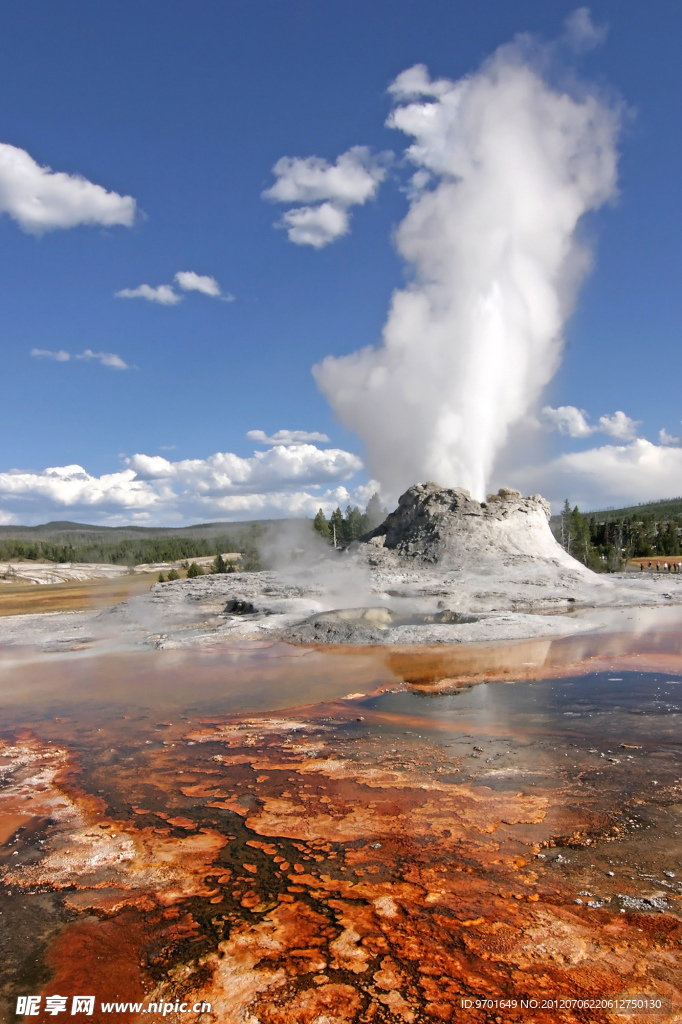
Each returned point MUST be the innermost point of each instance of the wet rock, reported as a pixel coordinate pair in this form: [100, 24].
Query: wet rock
[238, 607]
[333, 631]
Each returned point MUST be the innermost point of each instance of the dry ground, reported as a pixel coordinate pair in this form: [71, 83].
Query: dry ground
[27, 598]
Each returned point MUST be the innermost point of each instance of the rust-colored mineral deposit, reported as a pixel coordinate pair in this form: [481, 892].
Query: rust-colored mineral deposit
[318, 866]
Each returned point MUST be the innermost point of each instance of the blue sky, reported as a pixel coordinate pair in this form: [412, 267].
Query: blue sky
[186, 107]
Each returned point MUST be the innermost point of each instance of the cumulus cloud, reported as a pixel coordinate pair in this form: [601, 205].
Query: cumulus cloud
[610, 475]
[315, 225]
[300, 464]
[191, 282]
[667, 439]
[292, 479]
[43, 353]
[109, 359]
[70, 486]
[581, 33]
[40, 199]
[285, 436]
[568, 420]
[351, 181]
[573, 422]
[619, 426]
[163, 294]
[511, 165]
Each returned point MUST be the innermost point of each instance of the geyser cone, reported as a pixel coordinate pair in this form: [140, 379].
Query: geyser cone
[445, 525]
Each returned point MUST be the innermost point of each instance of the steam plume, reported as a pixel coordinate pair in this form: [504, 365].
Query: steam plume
[506, 167]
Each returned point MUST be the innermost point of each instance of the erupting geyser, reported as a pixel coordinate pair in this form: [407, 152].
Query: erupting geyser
[507, 165]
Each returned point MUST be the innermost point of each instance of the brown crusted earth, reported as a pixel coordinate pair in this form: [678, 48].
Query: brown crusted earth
[297, 868]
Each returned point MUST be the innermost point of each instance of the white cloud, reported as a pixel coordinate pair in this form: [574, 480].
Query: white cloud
[71, 486]
[295, 479]
[43, 353]
[191, 282]
[573, 422]
[315, 225]
[300, 464]
[351, 181]
[105, 358]
[568, 420]
[40, 199]
[415, 82]
[619, 426]
[285, 436]
[163, 294]
[610, 475]
[581, 33]
[667, 439]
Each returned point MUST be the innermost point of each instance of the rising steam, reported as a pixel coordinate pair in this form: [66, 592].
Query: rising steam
[506, 167]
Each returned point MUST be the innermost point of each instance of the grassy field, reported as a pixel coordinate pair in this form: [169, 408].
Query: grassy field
[634, 563]
[31, 598]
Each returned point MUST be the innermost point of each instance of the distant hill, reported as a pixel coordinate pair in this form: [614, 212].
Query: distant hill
[664, 509]
[63, 541]
[65, 532]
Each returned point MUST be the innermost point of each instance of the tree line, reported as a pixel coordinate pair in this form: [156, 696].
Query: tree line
[606, 546]
[133, 551]
[341, 529]
[218, 565]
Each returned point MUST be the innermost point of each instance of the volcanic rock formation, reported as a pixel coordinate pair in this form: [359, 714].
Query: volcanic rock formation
[446, 526]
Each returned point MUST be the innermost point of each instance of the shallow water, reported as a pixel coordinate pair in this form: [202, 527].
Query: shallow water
[351, 834]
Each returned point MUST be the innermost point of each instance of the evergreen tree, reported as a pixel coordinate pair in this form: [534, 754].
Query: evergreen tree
[565, 526]
[194, 570]
[321, 525]
[668, 542]
[337, 527]
[580, 535]
[219, 564]
[162, 578]
[375, 512]
[353, 523]
[173, 575]
[251, 557]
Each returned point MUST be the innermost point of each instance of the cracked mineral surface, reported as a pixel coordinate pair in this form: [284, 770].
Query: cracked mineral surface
[378, 834]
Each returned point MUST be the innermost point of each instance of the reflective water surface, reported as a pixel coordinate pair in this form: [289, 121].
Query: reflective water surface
[307, 835]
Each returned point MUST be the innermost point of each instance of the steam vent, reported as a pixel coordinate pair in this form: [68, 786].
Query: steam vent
[446, 526]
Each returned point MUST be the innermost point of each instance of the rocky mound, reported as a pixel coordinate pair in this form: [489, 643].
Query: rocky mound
[445, 526]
